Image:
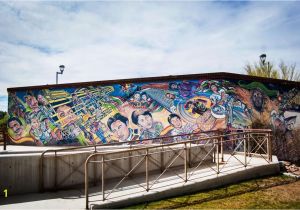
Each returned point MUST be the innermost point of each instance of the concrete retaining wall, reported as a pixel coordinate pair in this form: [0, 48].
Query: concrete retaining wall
[20, 173]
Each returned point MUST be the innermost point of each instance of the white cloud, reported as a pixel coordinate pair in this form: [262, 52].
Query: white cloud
[102, 40]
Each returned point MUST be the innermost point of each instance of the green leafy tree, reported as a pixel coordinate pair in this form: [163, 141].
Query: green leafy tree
[268, 69]
[3, 118]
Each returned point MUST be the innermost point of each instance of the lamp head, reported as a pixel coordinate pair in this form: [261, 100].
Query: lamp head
[61, 68]
[263, 58]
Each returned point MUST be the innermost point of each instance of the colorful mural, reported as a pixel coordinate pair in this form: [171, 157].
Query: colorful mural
[136, 111]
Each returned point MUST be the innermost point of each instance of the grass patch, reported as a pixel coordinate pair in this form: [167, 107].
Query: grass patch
[270, 192]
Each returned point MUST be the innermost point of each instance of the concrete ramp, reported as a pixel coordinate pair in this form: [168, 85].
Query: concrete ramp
[173, 185]
[168, 186]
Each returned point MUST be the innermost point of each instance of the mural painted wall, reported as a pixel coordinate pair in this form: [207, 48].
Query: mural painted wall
[120, 113]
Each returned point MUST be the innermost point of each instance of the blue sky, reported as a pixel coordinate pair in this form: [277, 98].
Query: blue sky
[114, 40]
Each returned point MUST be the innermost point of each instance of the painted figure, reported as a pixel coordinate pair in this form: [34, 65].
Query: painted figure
[32, 102]
[68, 120]
[96, 128]
[36, 131]
[179, 128]
[17, 127]
[20, 134]
[90, 99]
[78, 104]
[118, 125]
[148, 128]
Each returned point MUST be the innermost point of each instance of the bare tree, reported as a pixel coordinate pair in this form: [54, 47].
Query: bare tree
[289, 72]
[262, 69]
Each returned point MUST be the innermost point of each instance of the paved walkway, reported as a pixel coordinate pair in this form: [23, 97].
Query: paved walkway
[13, 149]
[70, 199]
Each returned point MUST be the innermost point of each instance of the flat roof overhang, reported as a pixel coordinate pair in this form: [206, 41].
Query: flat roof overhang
[217, 75]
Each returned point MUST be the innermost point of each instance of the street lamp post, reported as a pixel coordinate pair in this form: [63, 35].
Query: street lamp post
[263, 60]
[61, 68]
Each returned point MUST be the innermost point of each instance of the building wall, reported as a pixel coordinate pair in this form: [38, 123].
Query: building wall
[101, 114]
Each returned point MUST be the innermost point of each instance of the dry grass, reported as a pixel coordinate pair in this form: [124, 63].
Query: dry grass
[272, 192]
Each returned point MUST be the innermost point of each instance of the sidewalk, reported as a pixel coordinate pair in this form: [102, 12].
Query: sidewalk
[69, 199]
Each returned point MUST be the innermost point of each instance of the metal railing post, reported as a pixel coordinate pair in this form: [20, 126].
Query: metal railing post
[102, 179]
[218, 165]
[162, 159]
[269, 147]
[130, 160]
[214, 152]
[190, 155]
[249, 144]
[95, 171]
[86, 180]
[222, 151]
[185, 162]
[4, 138]
[147, 170]
[245, 150]
[55, 170]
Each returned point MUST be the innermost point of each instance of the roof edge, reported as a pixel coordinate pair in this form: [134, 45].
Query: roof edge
[215, 75]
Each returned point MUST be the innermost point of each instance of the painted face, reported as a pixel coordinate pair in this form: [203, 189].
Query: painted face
[174, 86]
[144, 97]
[137, 97]
[145, 121]
[214, 88]
[66, 115]
[120, 130]
[290, 123]
[16, 127]
[91, 120]
[35, 123]
[74, 97]
[279, 125]
[176, 122]
[47, 123]
[40, 98]
[257, 100]
[32, 102]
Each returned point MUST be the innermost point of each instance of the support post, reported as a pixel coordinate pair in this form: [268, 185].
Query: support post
[222, 151]
[185, 162]
[102, 177]
[162, 159]
[269, 147]
[249, 144]
[4, 138]
[190, 155]
[95, 171]
[147, 170]
[86, 186]
[218, 165]
[245, 151]
[214, 152]
[55, 170]
[130, 160]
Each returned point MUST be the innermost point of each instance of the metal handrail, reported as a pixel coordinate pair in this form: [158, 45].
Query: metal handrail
[218, 141]
[95, 146]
